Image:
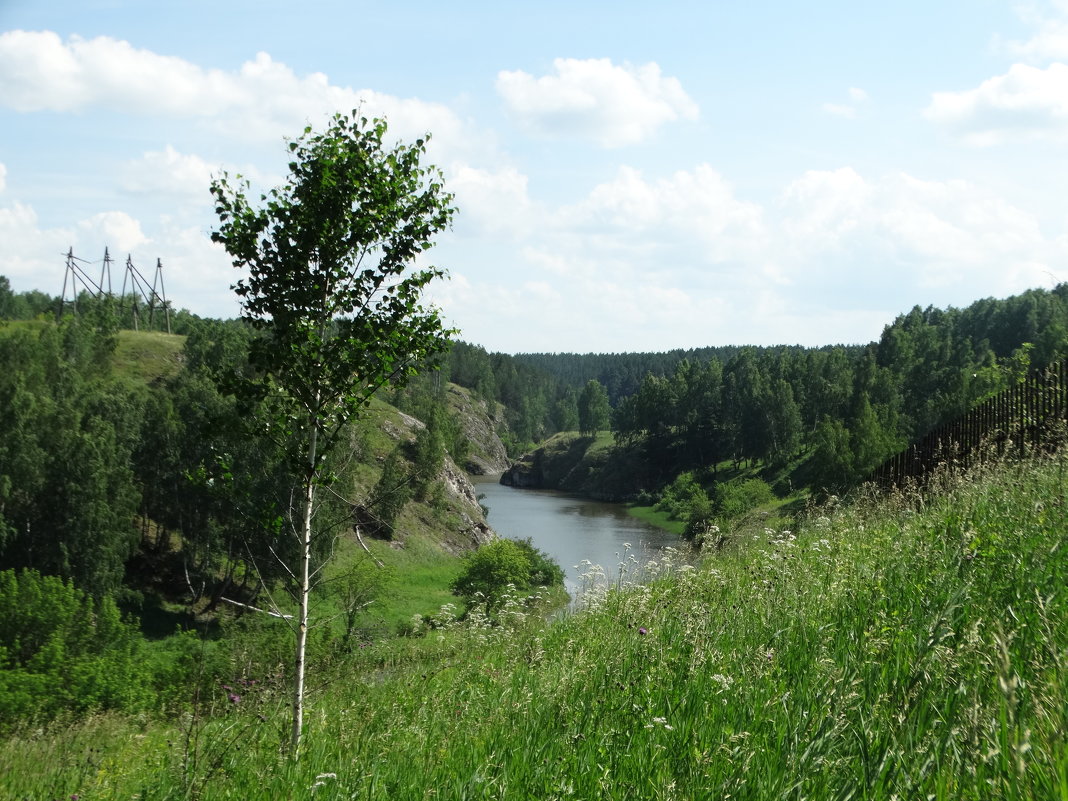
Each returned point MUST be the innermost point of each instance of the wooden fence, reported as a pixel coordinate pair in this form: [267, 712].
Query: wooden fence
[1026, 418]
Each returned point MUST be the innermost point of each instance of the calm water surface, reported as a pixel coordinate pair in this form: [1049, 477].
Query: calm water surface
[571, 529]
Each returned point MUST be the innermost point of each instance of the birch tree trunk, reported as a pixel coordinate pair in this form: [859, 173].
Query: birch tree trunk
[304, 576]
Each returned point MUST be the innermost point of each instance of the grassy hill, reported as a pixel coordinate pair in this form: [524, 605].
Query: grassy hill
[910, 646]
[147, 355]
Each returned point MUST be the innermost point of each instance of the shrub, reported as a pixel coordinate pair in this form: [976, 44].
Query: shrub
[61, 650]
[489, 570]
[679, 496]
[736, 499]
[544, 570]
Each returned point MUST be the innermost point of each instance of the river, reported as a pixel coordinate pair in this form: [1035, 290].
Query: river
[572, 530]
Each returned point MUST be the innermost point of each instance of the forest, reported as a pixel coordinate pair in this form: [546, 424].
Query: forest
[140, 524]
[844, 407]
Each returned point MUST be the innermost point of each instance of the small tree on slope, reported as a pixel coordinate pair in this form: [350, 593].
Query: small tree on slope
[334, 294]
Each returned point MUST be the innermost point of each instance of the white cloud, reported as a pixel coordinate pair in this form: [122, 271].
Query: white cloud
[906, 233]
[492, 201]
[197, 274]
[666, 261]
[1050, 40]
[1025, 103]
[840, 110]
[263, 100]
[698, 204]
[116, 229]
[613, 105]
[168, 172]
[825, 205]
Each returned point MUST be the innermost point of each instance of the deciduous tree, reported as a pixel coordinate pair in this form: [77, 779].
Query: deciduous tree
[335, 296]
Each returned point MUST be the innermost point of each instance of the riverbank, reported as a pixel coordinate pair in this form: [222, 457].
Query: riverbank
[581, 534]
[906, 647]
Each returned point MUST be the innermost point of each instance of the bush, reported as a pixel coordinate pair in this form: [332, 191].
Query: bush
[736, 499]
[489, 570]
[61, 650]
[544, 570]
[679, 496]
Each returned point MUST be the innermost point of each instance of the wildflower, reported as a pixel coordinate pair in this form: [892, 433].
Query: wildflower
[234, 698]
[658, 721]
[643, 631]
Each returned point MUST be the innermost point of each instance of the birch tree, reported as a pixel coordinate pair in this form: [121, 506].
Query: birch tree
[335, 295]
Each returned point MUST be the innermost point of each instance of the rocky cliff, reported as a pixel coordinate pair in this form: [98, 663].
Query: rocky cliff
[589, 466]
[481, 422]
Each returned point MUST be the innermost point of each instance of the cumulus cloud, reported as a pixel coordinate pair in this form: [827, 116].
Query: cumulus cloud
[1025, 103]
[262, 100]
[698, 203]
[661, 261]
[197, 273]
[611, 104]
[116, 228]
[169, 172]
[1050, 39]
[492, 201]
[905, 233]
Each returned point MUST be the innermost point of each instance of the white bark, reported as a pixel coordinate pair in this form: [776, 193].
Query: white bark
[304, 590]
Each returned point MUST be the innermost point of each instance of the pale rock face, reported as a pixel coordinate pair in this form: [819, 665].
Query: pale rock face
[480, 426]
[475, 526]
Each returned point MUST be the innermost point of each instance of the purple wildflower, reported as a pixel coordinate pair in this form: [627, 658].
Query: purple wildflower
[234, 698]
[643, 631]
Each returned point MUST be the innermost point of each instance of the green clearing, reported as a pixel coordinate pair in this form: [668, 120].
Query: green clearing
[148, 356]
[657, 518]
[912, 646]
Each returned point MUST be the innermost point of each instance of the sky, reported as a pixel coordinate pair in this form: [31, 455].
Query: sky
[629, 176]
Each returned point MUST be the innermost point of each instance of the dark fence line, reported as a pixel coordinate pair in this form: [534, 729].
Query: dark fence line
[1026, 418]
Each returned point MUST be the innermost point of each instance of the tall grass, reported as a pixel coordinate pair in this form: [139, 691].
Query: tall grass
[910, 647]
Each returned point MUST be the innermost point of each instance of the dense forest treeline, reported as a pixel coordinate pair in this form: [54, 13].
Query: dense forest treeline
[140, 491]
[846, 407]
[135, 502]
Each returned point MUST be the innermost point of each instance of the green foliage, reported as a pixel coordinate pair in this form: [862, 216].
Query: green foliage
[906, 648]
[831, 463]
[594, 413]
[428, 453]
[545, 571]
[63, 651]
[390, 495]
[488, 572]
[679, 496]
[67, 434]
[335, 296]
[735, 499]
[335, 329]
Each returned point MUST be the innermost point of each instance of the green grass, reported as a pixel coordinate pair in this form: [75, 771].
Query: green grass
[148, 356]
[421, 574]
[909, 647]
[663, 520]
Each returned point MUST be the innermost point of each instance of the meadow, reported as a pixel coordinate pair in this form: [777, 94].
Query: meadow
[904, 646]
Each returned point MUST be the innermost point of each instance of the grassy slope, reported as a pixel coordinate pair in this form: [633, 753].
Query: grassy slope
[914, 648]
[148, 355]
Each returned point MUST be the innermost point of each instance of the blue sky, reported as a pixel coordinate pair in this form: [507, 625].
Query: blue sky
[629, 176]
